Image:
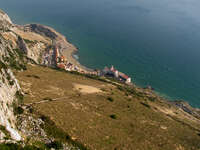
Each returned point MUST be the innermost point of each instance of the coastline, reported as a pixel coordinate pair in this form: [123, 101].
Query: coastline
[52, 98]
[68, 50]
[56, 39]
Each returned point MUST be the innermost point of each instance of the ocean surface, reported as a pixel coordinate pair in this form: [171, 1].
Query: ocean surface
[156, 42]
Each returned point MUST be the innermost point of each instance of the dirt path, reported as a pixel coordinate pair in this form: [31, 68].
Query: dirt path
[45, 101]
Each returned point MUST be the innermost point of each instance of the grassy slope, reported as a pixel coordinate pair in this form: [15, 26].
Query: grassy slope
[87, 117]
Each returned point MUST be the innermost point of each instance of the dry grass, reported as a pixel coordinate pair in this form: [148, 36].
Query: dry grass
[31, 36]
[86, 117]
[85, 89]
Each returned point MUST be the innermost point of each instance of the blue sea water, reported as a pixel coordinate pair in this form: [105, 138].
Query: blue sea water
[156, 42]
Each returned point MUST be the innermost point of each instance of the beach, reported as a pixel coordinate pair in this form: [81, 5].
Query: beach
[48, 35]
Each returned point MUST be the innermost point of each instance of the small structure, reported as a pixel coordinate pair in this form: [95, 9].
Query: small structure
[124, 77]
[61, 65]
[112, 72]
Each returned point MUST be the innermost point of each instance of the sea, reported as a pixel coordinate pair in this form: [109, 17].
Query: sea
[156, 42]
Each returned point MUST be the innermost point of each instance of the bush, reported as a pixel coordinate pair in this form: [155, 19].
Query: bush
[3, 129]
[145, 104]
[33, 76]
[2, 65]
[55, 145]
[113, 116]
[48, 99]
[11, 82]
[110, 99]
[13, 146]
[19, 110]
[20, 97]
[52, 130]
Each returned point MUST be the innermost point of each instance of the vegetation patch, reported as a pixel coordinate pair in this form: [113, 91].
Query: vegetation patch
[110, 99]
[19, 96]
[2, 65]
[145, 104]
[52, 130]
[113, 116]
[29, 41]
[92, 120]
[14, 146]
[3, 129]
[48, 99]
[33, 76]
[18, 110]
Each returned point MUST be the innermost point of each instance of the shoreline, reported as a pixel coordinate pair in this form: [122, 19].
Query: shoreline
[68, 50]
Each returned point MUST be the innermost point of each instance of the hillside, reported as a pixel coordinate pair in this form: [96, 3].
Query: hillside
[106, 116]
[43, 107]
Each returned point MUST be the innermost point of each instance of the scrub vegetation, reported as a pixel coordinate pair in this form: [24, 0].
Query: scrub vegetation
[118, 117]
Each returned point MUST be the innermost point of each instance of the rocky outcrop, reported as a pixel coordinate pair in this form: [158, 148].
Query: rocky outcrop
[5, 22]
[17, 46]
[7, 98]
[8, 87]
[187, 108]
[22, 45]
[41, 29]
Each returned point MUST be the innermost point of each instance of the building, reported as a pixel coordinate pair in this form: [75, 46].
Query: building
[124, 77]
[112, 72]
[61, 65]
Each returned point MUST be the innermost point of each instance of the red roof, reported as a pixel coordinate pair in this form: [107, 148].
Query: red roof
[123, 75]
[61, 66]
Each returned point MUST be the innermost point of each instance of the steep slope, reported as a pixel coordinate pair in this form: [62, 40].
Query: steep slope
[14, 54]
[104, 115]
[52, 108]
[9, 88]
[5, 22]
[20, 45]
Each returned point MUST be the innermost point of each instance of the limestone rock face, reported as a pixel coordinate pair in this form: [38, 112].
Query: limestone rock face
[17, 46]
[5, 22]
[8, 88]
[7, 98]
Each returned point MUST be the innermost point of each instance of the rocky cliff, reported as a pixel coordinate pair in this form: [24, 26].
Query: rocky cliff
[5, 22]
[19, 46]
[16, 49]
[8, 89]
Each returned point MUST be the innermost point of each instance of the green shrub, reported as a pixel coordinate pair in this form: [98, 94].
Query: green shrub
[14, 146]
[53, 131]
[20, 97]
[48, 99]
[55, 145]
[145, 104]
[19, 110]
[113, 116]
[11, 82]
[33, 76]
[110, 99]
[153, 99]
[2, 65]
[3, 129]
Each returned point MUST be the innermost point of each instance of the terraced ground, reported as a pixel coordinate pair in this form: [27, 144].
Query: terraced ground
[105, 116]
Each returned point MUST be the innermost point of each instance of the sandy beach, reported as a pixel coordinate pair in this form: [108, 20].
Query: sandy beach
[67, 49]
[50, 36]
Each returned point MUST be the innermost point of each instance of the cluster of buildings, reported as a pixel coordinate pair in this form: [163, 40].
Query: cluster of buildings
[112, 72]
[61, 62]
[53, 57]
